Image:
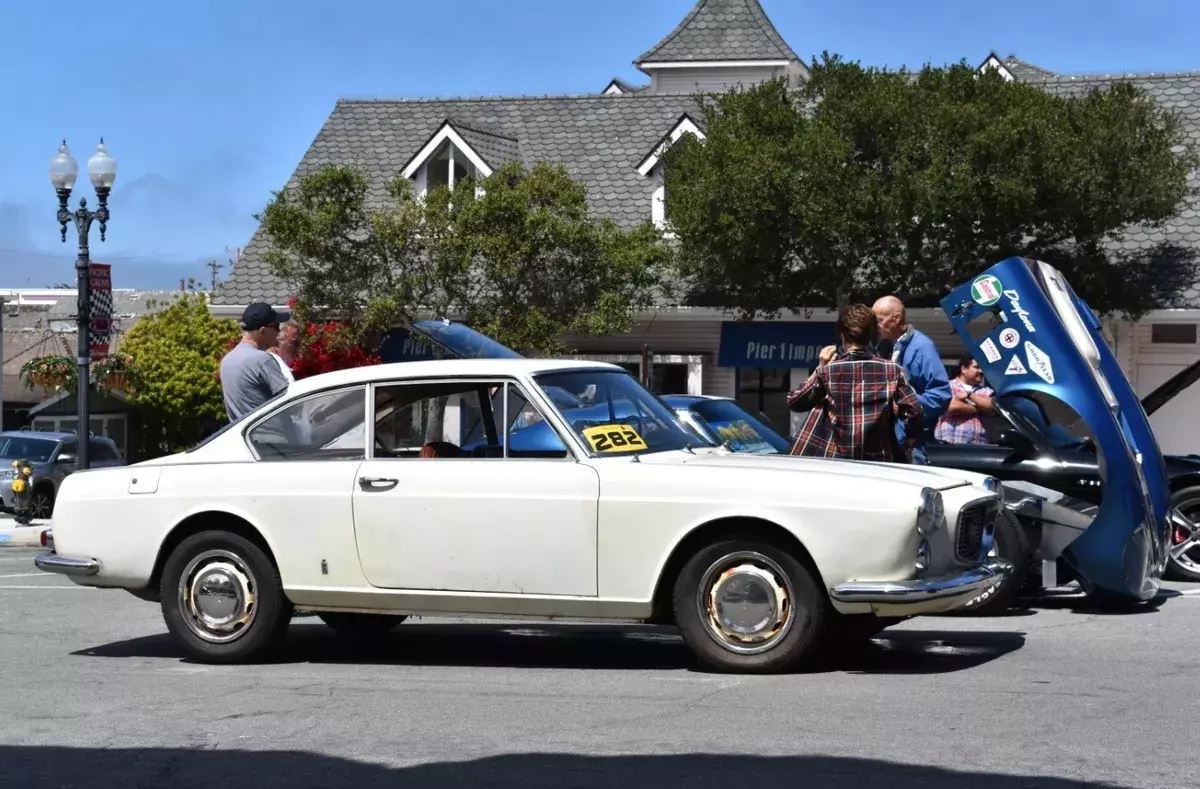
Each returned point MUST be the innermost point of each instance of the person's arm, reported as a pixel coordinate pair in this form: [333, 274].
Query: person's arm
[907, 408]
[811, 392]
[273, 379]
[981, 399]
[927, 372]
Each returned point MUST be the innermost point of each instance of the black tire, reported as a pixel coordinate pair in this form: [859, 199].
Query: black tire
[37, 509]
[361, 625]
[1187, 501]
[1012, 545]
[795, 644]
[224, 556]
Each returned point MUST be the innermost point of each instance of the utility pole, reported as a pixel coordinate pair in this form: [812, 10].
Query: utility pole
[215, 267]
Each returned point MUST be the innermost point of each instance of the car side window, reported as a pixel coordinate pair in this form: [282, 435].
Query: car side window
[458, 419]
[324, 426]
[101, 451]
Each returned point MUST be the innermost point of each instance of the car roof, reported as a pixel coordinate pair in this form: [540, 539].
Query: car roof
[445, 367]
[46, 434]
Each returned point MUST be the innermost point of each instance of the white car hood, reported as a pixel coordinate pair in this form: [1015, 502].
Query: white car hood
[921, 476]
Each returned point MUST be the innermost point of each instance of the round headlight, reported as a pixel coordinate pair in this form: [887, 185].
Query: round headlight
[932, 513]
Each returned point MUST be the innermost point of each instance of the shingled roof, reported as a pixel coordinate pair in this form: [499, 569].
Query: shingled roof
[721, 30]
[1179, 93]
[600, 139]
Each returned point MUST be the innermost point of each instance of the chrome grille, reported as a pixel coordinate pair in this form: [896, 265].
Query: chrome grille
[973, 520]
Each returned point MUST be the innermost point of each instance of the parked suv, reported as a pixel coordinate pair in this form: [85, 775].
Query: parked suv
[52, 456]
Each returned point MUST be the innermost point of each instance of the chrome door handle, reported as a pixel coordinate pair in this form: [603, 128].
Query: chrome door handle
[377, 483]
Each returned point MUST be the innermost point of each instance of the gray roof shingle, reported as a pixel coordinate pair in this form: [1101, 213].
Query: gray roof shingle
[1179, 93]
[1023, 70]
[624, 86]
[496, 147]
[599, 139]
[721, 30]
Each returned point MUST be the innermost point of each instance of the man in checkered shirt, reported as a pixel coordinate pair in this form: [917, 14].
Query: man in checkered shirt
[856, 398]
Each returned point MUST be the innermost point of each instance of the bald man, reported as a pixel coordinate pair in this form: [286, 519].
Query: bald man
[923, 367]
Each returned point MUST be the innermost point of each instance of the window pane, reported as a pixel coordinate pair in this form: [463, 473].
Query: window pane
[529, 434]
[451, 419]
[101, 451]
[327, 426]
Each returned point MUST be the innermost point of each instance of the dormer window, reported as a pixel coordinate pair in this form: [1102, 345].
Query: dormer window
[456, 151]
[445, 168]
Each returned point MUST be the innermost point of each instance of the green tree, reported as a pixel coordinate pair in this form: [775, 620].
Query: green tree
[177, 350]
[516, 256]
[879, 181]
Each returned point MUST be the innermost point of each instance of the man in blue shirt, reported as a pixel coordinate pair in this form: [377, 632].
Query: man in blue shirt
[922, 364]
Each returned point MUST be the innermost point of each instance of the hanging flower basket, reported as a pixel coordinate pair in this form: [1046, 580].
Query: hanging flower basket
[116, 373]
[51, 372]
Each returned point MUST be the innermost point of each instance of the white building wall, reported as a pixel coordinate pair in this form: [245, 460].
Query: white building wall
[1176, 426]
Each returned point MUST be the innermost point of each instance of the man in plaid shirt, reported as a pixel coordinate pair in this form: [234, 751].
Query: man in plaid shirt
[856, 398]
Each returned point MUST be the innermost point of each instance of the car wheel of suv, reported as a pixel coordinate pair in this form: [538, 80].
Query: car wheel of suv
[1183, 561]
[750, 606]
[1012, 545]
[222, 598]
[361, 625]
[41, 502]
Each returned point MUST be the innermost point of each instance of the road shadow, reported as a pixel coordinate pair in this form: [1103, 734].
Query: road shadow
[145, 768]
[1076, 602]
[585, 646]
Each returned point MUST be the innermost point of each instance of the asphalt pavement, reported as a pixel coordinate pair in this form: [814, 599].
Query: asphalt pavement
[94, 694]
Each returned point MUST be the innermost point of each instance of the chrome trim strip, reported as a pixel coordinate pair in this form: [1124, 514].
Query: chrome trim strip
[919, 590]
[66, 565]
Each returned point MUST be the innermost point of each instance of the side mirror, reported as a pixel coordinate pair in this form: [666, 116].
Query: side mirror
[1015, 439]
[65, 457]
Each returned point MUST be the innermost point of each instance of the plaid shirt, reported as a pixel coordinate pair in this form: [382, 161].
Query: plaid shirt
[962, 428]
[855, 400]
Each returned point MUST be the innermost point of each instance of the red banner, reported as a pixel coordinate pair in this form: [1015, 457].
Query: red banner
[100, 309]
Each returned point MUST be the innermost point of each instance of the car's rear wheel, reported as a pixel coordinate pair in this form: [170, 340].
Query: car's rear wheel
[361, 625]
[750, 606]
[222, 598]
[1183, 561]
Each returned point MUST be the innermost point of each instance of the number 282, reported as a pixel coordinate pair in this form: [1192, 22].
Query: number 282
[611, 439]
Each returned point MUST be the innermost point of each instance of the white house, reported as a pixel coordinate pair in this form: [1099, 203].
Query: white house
[611, 141]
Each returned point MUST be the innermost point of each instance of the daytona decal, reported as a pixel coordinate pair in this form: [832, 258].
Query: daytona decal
[1023, 314]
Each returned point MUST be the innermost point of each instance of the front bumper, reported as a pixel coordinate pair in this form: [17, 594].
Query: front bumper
[51, 562]
[923, 595]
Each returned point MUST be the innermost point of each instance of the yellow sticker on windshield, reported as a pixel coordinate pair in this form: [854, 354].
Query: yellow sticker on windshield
[613, 438]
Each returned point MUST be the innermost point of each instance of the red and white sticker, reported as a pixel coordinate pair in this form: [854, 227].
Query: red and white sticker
[1010, 337]
[990, 351]
[1015, 367]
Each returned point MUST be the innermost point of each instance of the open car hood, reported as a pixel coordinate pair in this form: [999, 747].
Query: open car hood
[449, 340]
[1048, 341]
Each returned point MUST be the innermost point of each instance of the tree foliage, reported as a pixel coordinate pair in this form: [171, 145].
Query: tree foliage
[516, 256]
[177, 350]
[869, 181]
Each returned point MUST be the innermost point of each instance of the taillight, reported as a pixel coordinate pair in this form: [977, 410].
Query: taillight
[46, 539]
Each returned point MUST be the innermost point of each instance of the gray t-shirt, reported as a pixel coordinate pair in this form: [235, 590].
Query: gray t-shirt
[249, 378]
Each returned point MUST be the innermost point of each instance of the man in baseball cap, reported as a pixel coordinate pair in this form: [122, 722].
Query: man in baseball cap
[249, 375]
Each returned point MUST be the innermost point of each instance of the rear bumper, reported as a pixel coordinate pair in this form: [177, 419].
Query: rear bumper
[66, 565]
[923, 595]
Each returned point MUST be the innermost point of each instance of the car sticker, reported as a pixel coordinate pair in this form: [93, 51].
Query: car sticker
[990, 351]
[1015, 367]
[1039, 362]
[986, 290]
[1021, 313]
[613, 438]
[1010, 337]
[740, 435]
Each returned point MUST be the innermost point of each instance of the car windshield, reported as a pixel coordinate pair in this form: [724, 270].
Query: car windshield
[35, 450]
[732, 425]
[617, 414]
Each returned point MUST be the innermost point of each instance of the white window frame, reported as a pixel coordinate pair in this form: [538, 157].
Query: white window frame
[54, 423]
[685, 126]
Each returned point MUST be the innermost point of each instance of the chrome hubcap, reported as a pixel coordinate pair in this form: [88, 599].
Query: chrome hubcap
[217, 596]
[746, 603]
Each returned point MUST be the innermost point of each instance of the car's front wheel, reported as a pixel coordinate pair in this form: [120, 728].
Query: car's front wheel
[750, 606]
[1183, 563]
[222, 598]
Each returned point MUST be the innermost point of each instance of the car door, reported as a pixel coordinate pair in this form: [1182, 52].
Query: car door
[441, 503]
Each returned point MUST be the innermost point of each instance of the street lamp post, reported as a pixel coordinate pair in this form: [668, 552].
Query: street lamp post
[102, 170]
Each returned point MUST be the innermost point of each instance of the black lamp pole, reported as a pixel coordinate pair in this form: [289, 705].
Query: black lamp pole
[102, 170]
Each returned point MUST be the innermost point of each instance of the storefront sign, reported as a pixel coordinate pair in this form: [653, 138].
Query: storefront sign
[788, 344]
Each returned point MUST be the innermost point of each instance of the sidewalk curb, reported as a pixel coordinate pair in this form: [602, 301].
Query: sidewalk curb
[23, 536]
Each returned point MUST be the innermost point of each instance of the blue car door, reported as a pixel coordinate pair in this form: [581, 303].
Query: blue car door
[1047, 340]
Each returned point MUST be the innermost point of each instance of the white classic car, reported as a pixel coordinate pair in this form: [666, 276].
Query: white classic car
[370, 494]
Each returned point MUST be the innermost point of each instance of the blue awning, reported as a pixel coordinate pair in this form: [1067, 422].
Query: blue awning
[780, 345]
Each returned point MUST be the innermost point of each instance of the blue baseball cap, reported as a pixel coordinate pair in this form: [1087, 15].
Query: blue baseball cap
[261, 314]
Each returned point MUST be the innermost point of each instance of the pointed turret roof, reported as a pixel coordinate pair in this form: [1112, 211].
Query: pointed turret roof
[721, 30]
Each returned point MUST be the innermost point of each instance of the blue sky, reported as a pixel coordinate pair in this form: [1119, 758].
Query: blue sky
[208, 106]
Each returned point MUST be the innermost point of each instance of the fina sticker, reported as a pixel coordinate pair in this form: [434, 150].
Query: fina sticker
[1015, 367]
[986, 290]
[1039, 362]
[990, 351]
[1010, 337]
